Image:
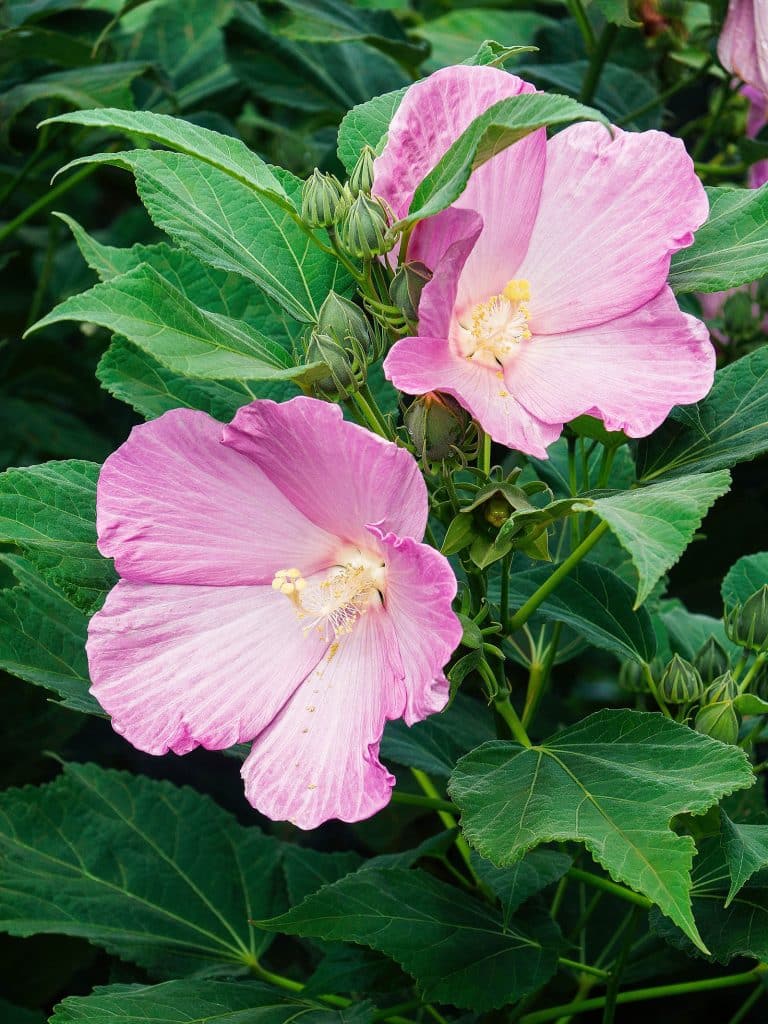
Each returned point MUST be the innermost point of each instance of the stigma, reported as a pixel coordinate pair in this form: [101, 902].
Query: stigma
[495, 328]
[331, 602]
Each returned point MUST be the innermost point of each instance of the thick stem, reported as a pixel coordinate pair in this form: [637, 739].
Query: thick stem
[596, 64]
[504, 707]
[598, 882]
[579, 15]
[570, 563]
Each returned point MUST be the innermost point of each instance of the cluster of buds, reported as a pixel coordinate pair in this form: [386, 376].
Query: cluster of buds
[358, 220]
[345, 342]
[747, 624]
[717, 715]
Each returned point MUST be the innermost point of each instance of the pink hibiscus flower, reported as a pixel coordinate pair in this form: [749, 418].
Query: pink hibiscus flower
[273, 589]
[743, 44]
[549, 297]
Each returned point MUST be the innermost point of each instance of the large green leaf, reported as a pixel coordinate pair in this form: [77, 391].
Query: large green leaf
[143, 306]
[42, 637]
[613, 782]
[731, 248]
[457, 948]
[596, 603]
[730, 425]
[227, 225]
[746, 851]
[739, 929]
[503, 124]
[655, 524]
[747, 575]
[689, 632]
[366, 125]
[202, 1002]
[228, 154]
[516, 884]
[156, 874]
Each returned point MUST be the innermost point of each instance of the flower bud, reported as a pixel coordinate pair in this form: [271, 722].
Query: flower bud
[345, 372]
[720, 689]
[681, 683]
[437, 424]
[320, 199]
[361, 178]
[718, 721]
[711, 661]
[407, 286]
[632, 678]
[345, 322]
[747, 624]
[363, 229]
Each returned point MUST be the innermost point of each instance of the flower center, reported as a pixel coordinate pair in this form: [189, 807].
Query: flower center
[333, 601]
[496, 327]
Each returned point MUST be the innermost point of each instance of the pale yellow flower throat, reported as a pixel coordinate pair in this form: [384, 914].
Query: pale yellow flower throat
[496, 327]
[333, 604]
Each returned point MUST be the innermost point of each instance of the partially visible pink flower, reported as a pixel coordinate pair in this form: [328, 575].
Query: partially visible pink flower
[549, 297]
[756, 121]
[273, 589]
[743, 44]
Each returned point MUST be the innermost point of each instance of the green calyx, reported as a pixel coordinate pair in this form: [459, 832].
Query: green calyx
[321, 198]
[747, 624]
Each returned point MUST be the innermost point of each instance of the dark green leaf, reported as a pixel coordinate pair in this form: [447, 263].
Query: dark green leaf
[746, 576]
[366, 125]
[516, 884]
[746, 851]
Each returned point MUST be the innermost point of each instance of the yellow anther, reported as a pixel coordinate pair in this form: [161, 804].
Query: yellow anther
[517, 290]
[496, 327]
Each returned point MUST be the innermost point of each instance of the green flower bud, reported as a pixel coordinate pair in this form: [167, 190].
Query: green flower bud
[681, 683]
[407, 286]
[718, 721]
[711, 661]
[363, 229]
[437, 424]
[632, 678]
[361, 178]
[747, 624]
[721, 689]
[320, 198]
[342, 320]
[345, 372]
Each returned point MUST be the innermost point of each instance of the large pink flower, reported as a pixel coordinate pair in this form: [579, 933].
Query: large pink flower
[549, 297]
[743, 44]
[273, 589]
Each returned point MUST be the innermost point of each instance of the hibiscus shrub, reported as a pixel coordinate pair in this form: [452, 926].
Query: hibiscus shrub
[382, 505]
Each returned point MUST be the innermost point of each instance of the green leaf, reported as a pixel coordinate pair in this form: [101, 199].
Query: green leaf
[730, 425]
[227, 154]
[746, 852]
[457, 948]
[516, 884]
[229, 226]
[740, 929]
[746, 576]
[596, 603]
[688, 632]
[353, 969]
[575, 786]
[42, 637]
[453, 35]
[145, 308]
[205, 1002]
[308, 870]
[503, 124]
[435, 744]
[157, 875]
[730, 248]
[617, 12]
[366, 125]
[655, 524]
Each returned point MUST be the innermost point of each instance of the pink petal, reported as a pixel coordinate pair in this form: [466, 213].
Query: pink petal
[612, 213]
[338, 474]
[420, 588]
[505, 190]
[629, 372]
[319, 758]
[181, 666]
[450, 239]
[742, 44]
[419, 365]
[174, 505]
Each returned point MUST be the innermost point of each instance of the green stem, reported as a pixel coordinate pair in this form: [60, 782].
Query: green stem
[726, 92]
[576, 965]
[612, 989]
[484, 454]
[754, 669]
[366, 406]
[721, 170]
[506, 565]
[666, 94]
[642, 994]
[655, 690]
[504, 707]
[429, 803]
[289, 985]
[597, 62]
[447, 819]
[570, 563]
[598, 882]
[579, 15]
[46, 200]
[537, 681]
[747, 1005]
